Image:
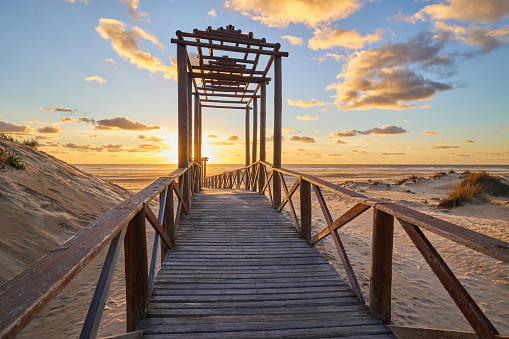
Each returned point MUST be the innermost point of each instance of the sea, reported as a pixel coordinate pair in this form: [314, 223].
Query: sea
[418, 298]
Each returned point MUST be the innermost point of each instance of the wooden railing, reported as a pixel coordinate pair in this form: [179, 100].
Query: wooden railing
[25, 295]
[257, 177]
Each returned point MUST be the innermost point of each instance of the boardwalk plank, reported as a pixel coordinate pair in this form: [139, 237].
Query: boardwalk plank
[239, 270]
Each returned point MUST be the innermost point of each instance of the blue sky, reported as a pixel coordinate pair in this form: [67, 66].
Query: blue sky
[420, 82]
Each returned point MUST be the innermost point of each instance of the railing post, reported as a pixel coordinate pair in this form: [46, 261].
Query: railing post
[278, 122]
[305, 209]
[263, 126]
[136, 270]
[168, 220]
[380, 280]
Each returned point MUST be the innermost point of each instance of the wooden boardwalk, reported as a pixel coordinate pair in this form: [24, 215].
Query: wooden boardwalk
[239, 269]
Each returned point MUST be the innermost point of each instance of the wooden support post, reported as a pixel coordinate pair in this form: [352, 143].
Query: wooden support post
[200, 132]
[278, 122]
[248, 161]
[190, 114]
[380, 280]
[263, 128]
[197, 139]
[305, 209]
[255, 141]
[168, 220]
[136, 270]
[183, 121]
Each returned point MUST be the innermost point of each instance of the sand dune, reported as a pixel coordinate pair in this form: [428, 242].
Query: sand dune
[44, 205]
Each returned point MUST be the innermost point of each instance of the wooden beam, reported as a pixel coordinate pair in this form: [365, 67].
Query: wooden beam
[206, 57]
[136, 271]
[224, 101]
[226, 69]
[183, 121]
[473, 314]
[168, 220]
[226, 95]
[231, 77]
[229, 48]
[225, 38]
[380, 280]
[229, 107]
[196, 128]
[278, 122]
[190, 116]
[349, 215]
[225, 89]
[152, 219]
[255, 137]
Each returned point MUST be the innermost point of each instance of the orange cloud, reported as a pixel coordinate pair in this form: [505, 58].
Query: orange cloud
[429, 133]
[283, 12]
[327, 38]
[304, 139]
[486, 37]
[382, 77]
[212, 13]
[220, 143]
[13, 128]
[293, 39]
[443, 146]
[385, 130]
[96, 78]
[133, 9]
[121, 123]
[124, 41]
[337, 57]
[486, 11]
[306, 104]
[308, 117]
[49, 130]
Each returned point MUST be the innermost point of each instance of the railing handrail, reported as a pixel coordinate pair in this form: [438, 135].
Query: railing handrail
[26, 294]
[479, 242]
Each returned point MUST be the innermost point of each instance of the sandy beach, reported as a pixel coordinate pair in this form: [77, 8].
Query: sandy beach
[418, 298]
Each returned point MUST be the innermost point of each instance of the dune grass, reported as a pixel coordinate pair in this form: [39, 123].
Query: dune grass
[12, 159]
[32, 143]
[475, 185]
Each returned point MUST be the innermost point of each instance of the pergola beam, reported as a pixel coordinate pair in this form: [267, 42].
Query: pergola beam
[229, 48]
[230, 77]
[229, 107]
[227, 95]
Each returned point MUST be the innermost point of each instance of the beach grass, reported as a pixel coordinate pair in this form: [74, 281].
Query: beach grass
[475, 185]
[12, 159]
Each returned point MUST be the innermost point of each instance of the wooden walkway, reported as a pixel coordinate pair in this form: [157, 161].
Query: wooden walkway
[240, 270]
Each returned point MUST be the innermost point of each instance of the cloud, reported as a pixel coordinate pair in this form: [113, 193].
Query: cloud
[385, 77]
[73, 1]
[45, 137]
[339, 142]
[429, 133]
[306, 104]
[303, 150]
[293, 39]
[385, 130]
[83, 148]
[443, 146]
[153, 148]
[49, 130]
[327, 38]
[335, 154]
[288, 130]
[96, 78]
[13, 128]
[392, 153]
[212, 136]
[486, 37]
[85, 120]
[111, 61]
[233, 138]
[121, 123]
[486, 11]
[359, 152]
[315, 131]
[124, 41]
[149, 138]
[324, 110]
[308, 117]
[94, 136]
[220, 143]
[337, 57]
[57, 109]
[133, 9]
[283, 12]
[212, 13]
[469, 141]
[304, 139]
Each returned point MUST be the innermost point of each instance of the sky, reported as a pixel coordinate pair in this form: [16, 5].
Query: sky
[365, 82]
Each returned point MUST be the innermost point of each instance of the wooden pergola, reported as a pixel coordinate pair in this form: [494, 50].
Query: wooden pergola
[224, 75]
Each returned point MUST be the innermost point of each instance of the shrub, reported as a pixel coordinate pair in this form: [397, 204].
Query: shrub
[474, 185]
[33, 143]
[438, 175]
[402, 181]
[8, 137]
[414, 178]
[451, 171]
[11, 159]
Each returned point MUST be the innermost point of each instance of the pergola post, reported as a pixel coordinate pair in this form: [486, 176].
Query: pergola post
[248, 160]
[255, 141]
[190, 113]
[197, 156]
[183, 129]
[200, 133]
[278, 122]
[263, 127]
